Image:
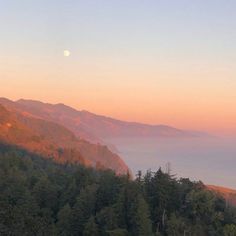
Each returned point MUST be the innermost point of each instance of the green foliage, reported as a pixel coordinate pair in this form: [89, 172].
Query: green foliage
[118, 232]
[84, 208]
[230, 230]
[107, 219]
[143, 224]
[64, 223]
[91, 228]
[177, 226]
[39, 197]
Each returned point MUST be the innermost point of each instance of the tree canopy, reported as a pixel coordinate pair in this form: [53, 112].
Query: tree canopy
[41, 197]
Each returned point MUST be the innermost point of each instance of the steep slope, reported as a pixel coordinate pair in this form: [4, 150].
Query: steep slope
[53, 140]
[228, 194]
[92, 127]
[59, 113]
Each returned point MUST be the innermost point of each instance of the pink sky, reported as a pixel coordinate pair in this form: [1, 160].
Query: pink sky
[156, 62]
[184, 98]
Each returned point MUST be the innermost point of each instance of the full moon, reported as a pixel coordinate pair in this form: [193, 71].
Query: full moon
[66, 53]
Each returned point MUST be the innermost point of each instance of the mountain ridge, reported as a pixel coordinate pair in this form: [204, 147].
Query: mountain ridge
[228, 194]
[55, 141]
[93, 127]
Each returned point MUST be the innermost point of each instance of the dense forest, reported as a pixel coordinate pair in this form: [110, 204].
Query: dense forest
[40, 197]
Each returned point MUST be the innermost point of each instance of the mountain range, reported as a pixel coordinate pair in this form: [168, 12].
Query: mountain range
[55, 141]
[71, 136]
[80, 135]
[92, 127]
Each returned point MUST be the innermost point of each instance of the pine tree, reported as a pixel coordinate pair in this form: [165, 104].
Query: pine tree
[64, 221]
[230, 230]
[84, 208]
[142, 218]
[91, 228]
[177, 226]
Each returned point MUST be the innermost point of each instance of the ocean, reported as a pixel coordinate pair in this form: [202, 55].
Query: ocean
[211, 160]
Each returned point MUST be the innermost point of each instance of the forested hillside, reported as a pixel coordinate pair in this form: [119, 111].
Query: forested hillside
[41, 197]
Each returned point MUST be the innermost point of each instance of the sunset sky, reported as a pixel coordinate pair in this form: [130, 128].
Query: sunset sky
[155, 61]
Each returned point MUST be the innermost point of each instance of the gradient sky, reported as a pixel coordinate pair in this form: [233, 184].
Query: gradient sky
[154, 61]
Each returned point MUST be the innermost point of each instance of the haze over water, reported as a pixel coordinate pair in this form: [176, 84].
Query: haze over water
[211, 160]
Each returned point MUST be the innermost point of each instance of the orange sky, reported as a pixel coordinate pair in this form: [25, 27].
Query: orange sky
[151, 62]
[186, 98]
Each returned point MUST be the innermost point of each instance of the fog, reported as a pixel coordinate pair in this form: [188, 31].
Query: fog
[212, 160]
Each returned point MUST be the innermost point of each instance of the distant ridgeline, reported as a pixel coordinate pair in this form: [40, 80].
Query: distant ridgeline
[52, 140]
[41, 197]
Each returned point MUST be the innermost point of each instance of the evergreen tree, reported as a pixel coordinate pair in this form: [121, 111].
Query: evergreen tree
[84, 208]
[107, 219]
[91, 228]
[177, 226]
[118, 232]
[39, 197]
[64, 224]
[142, 218]
[230, 230]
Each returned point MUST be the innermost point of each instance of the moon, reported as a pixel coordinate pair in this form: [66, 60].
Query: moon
[66, 53]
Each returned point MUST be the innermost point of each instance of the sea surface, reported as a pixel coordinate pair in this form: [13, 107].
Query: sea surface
[211, 160]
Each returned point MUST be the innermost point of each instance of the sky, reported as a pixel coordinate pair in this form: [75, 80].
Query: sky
[156, 61]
